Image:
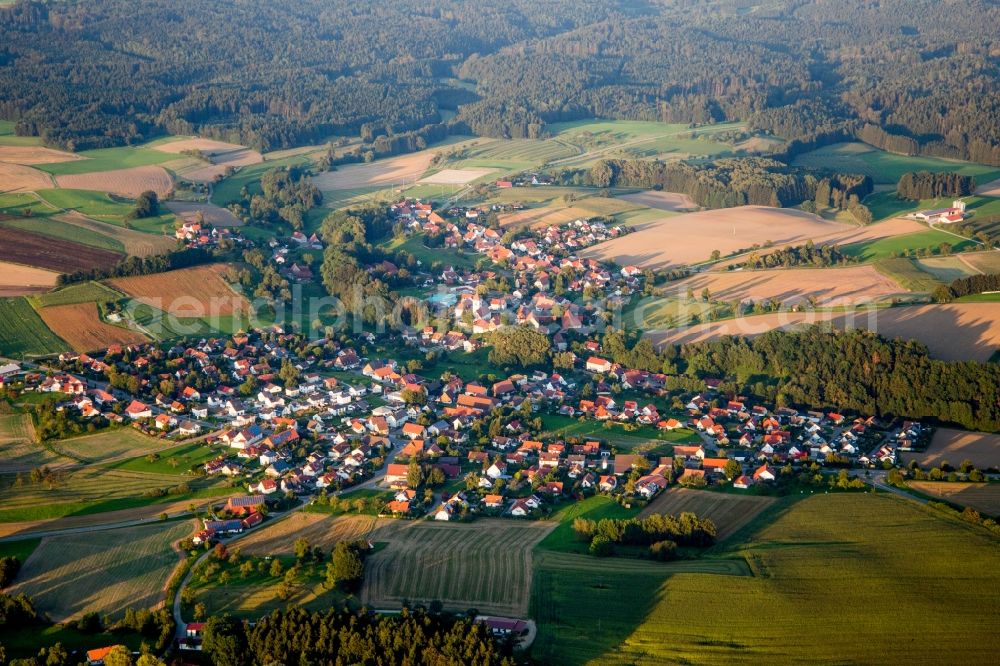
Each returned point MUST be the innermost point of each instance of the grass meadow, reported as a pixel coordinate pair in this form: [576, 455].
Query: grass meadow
[886, 168]
[22, 331]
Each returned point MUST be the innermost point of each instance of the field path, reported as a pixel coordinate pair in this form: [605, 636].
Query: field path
[968, 263]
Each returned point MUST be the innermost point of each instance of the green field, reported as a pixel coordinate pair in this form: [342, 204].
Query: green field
[175, 460]
[877, 579]
[14, 203]
[229, 189]
[109, 444]
[887, 248]
[643, 439]
[108, 159]
[22, 331]
[563, 539]
[886, 168]
[105, 208]
[85, 292]
[63, 231]
[427, 256]
[908, 273]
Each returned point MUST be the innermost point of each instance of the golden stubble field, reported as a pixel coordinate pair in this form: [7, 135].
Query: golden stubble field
[728, 512]
[188, 292]
[129, 182]
[80, 325]
[392, 171]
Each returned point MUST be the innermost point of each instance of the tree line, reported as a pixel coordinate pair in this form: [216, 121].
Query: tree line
[663, 531]
[967, 286]
[798, 255]
[132, 266]
[917, 185]
[298, 636]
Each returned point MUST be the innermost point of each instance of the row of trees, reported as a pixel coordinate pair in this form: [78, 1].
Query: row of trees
[967, 286]
[131, 266]
[660, 532]
[917, 185]
[799, 255]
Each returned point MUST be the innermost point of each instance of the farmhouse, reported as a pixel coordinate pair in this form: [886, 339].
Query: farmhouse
[943, 215]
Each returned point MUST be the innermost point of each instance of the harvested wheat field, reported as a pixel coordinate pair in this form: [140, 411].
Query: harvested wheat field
[990, 189]
[217, 216]
[672, 201]
[18, 280]
[392, 171]
[455, 176]
[30, 249]
[540, 218]
[189, 292]
[952, 332]
[207, 173]
[691, 238]
[137, 243]
[124, 182]
[81, 327]
[829, 287]
[954, 446]
[34, 155]
[486, 565]
[318, 529]
[981, 262]
[19, 178]
[728, 512]
[983, 497]
[207, 146]
[103, 572]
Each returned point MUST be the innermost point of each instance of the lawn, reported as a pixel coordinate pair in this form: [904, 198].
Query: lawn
[886, 168]
[887, 248]
[642, 439]
[108, 159]
[877, 579]
[22, 331]
[63, 231]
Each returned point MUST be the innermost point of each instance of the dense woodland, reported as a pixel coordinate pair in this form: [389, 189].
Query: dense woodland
[917, 185]
[910, 76]
[967, 286]
[297, 636]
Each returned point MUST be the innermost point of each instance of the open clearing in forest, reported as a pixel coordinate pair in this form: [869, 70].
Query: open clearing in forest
[954, 446]
[189, 292]
[80, 325]
[391, 171]
[486, 565]
[728, 512]
[952, 332]
[29, 249]
[691, 238]
[456, 176]
[34, 155]
[18, 178]
[672, 201]
[217, 216]
[121, 182]
[103, 572]
[983, 497]
[833, 558]
[319, 529]
[828, 287]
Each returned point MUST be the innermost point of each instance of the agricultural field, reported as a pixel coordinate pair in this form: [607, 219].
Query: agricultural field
[954, 446]
[217, 216]
[108, 159]
[951, 332]
[728, 512]
[32, 249]
[885, 248]
[691, 238]
[455, 176]
[548, 215]
[318, 529]
[189, 292]
[103, 572]
[990, 189]
[390, 171]
[18, 450]
[562, 538]
[18, 280]
[485, 565]
[947, 269]
[22, 331]
[132, 242]
[84, 292]
[122, 182]
[18, 178]
[887, 168]
[983, 262]
[29, 155]
[175, 460]
[983, 497]
[80, 325]
[52, 227]
[669, 201]
[107, 208]
[220, 156]
[108, 445]
[909, 274]
[827, 287]
[832, 558]
[95, 489]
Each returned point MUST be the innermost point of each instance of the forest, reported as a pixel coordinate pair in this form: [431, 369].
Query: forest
[903, 75]
[917, 185]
